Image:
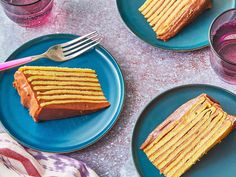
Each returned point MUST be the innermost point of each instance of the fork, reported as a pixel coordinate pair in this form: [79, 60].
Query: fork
[60, 52]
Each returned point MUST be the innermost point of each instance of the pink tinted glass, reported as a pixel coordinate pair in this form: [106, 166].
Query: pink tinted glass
[223, 46]
[28, 13]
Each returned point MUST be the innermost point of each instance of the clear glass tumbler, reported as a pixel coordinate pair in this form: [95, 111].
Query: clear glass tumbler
[27, 13]
[222, 37]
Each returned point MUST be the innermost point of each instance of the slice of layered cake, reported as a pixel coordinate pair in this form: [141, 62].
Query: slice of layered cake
[168, 17]
[56, 92]
[186, 135]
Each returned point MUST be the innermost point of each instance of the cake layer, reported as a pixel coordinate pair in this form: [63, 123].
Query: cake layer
[170, 123]
[72, 97]
[72, 83]
[187, 134]
[216, 138]
[58, 102]
[175, 121]
[186, 153]
[146, 3]
[172, 11]
[78, 92]
[56, 78]
[59, 87]
[183, 142]
[55, 69]
[160, 6]
[181, 129]
[149, 7]
[176, 141]
[54, 93]
[58, 73]
[162, 12]
[173, 138]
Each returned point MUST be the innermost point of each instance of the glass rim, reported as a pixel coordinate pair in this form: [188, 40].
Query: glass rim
[15, 4]
[209, 36]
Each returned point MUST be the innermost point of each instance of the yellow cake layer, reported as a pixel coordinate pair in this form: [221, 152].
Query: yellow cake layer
[172, 126]
[197, 143]
[34, 83]
[182, 123]
[161, 6]
[149, 7]
[177, 134]
[54, 69]
[63, 74]
[165, 151]
[224, 130]
[145, 5]
[173, 12]
[182, 142]
[188, 142]
[155, 17]
[56, 78]
[67, 96]
[161, 12]
[59, 87]
[158, 6]
[70, 101]
[78, 92]
[168, 23]
[164, 14]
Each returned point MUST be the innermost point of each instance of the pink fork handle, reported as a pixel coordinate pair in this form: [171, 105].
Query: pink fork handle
[14, 63]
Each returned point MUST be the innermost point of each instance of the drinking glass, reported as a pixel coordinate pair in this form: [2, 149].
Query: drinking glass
[27, 13]
[223, 46]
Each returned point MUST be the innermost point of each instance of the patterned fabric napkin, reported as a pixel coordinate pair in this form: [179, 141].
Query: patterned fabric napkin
[17, 161]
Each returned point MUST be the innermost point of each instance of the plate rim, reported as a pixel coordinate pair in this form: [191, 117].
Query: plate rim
[143, 109]
[106, 129]
[177, 49]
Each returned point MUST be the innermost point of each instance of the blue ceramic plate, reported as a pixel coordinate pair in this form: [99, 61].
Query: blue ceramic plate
[68, 134]
[192, 37]
[219, 162]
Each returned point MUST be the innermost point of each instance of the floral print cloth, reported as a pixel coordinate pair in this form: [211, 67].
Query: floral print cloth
[17, 161]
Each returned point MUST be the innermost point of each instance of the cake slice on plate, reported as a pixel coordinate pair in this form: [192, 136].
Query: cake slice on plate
[168, 17]
[56, 92]
[186, 135]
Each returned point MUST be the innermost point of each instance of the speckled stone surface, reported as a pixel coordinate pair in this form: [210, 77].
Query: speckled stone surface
[147, 71]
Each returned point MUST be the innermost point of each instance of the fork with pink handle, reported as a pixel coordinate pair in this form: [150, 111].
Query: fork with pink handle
[60, 52]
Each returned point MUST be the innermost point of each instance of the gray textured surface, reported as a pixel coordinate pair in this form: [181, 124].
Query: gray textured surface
[156, 69]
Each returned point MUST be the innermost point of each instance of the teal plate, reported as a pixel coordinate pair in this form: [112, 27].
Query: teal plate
[192, 37]
[70, 134]
[219, 162]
